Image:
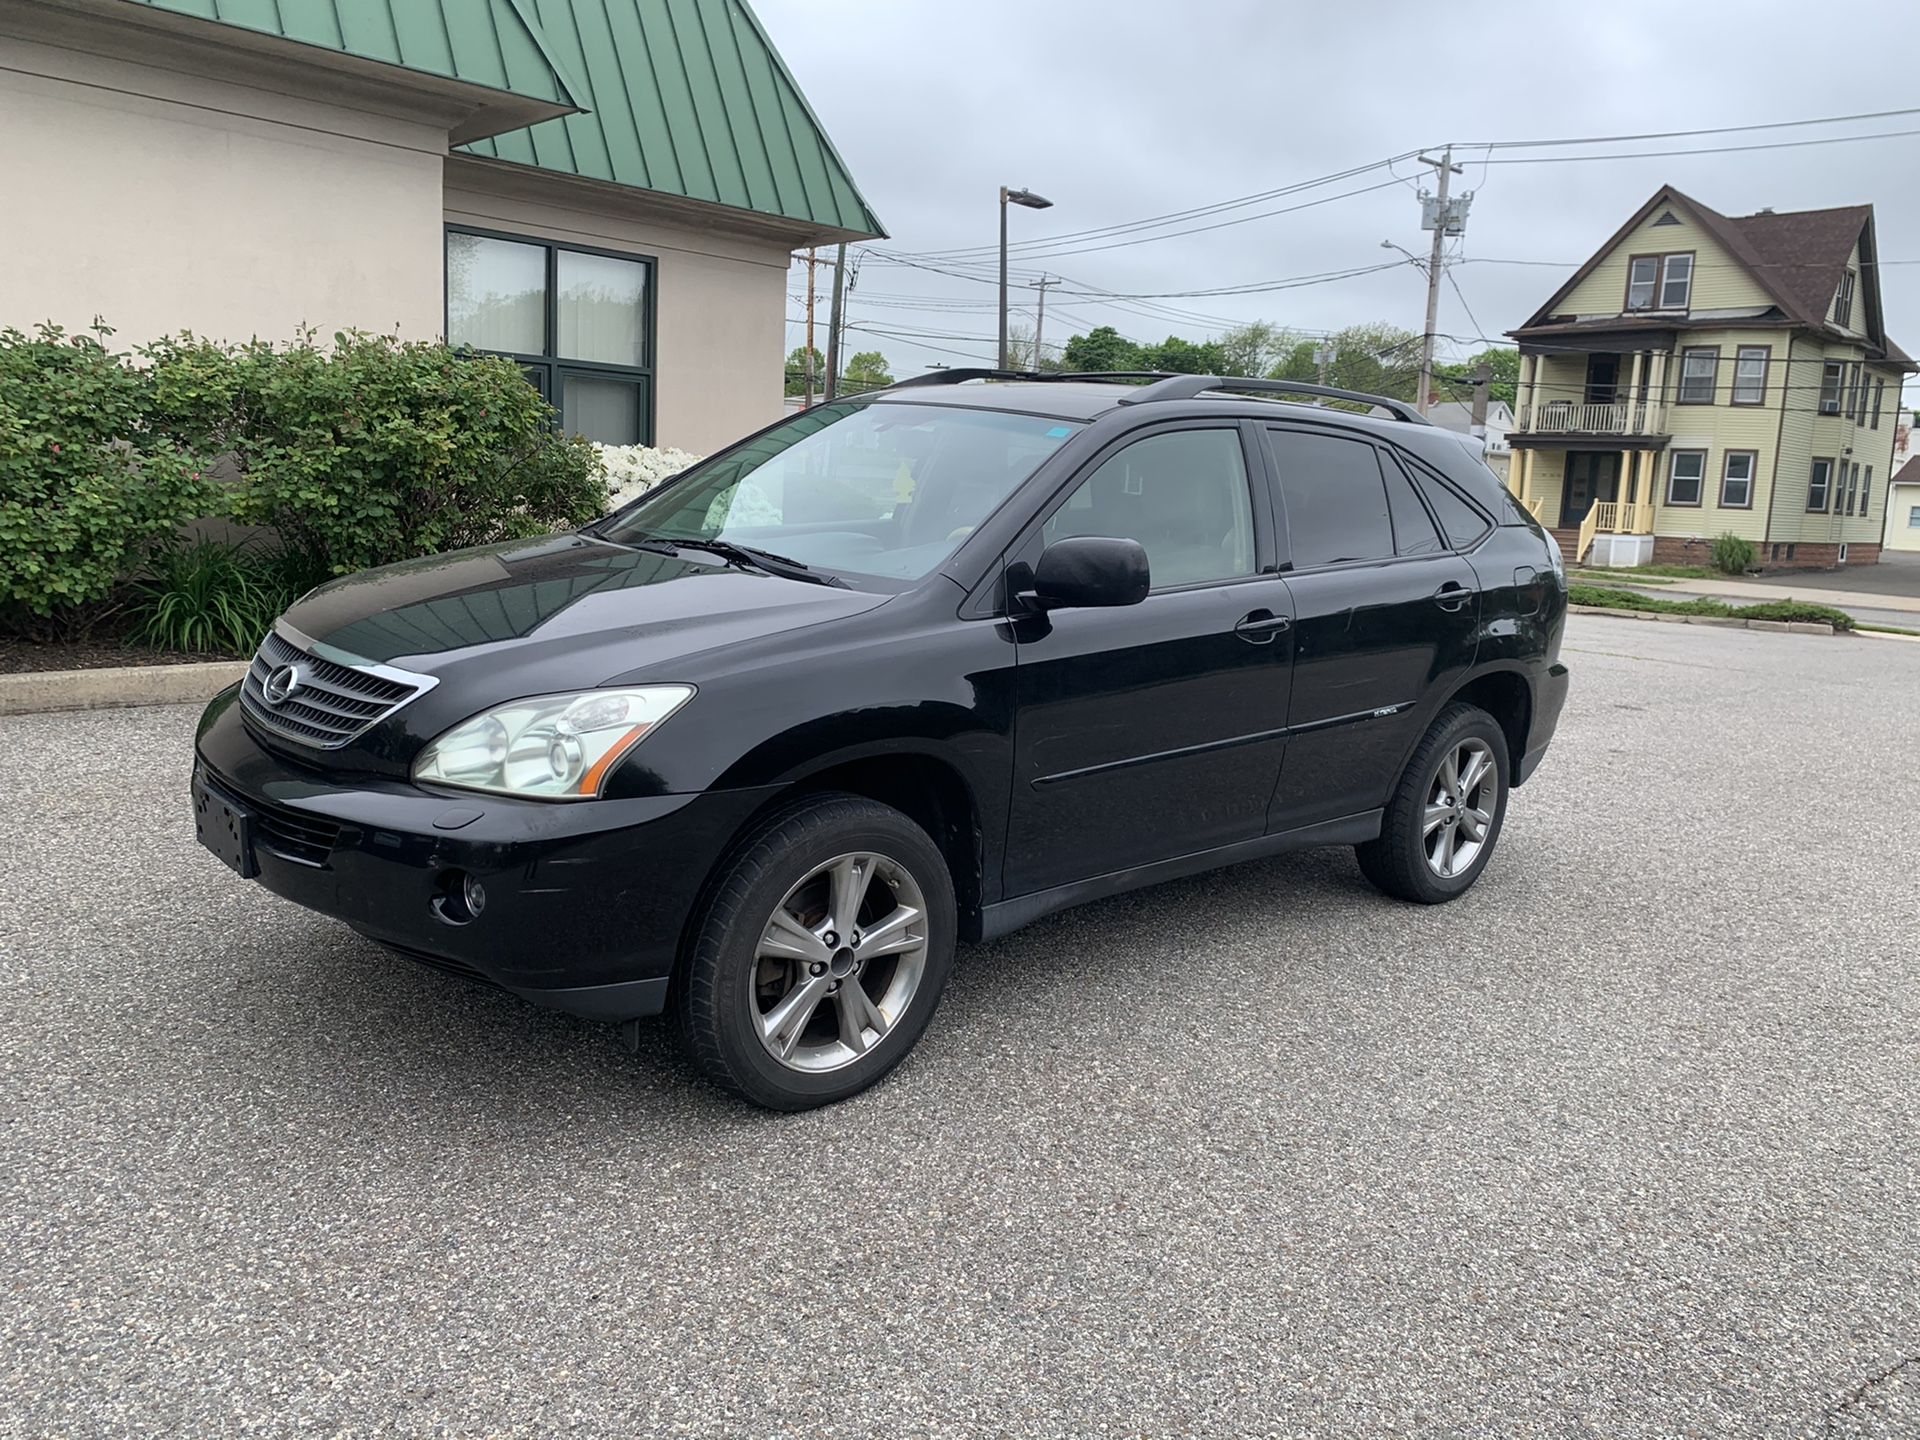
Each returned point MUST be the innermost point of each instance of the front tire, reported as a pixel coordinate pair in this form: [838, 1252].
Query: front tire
[820, 956]
[1444, 816]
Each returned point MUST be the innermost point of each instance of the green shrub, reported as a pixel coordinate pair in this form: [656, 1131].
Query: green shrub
[375, 449]
[1797, 610]
[1608, 598]
[210, 598]
[1731, 555]
[87, 484]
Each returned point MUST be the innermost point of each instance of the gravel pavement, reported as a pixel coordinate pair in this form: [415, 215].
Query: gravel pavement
[1620, 1145]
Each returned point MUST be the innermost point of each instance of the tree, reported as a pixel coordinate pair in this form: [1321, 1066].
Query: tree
[1102, 349]
[1505, 362]
[866, 371]
[1380, 359]
[1254, 348]
[1183, 357]
[797, 371]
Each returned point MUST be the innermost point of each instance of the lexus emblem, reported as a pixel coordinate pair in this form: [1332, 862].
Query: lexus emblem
[282, 685]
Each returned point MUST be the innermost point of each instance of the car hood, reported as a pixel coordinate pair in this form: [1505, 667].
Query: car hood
[565, 611]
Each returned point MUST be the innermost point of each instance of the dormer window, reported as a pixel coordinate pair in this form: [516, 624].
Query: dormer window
[1843, 301]
[1659, 282]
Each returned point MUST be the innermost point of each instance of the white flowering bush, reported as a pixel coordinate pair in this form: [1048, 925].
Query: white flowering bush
[632, 470]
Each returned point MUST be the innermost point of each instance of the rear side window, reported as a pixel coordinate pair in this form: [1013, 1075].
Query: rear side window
[1463, 523]
[1413, 532]
[1335, 501]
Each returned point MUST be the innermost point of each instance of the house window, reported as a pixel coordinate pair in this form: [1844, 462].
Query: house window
[1853, 391]
[1736, 480]
[1643, 278]
[1832, 376]
[1879, 394]
[1750, 374]
[1853, 485]
[1686, 476]
[1676, 282]
[1913, 517]
[1819, 486]
[579, 322]
[1866, 492]
[1843, 301]
[1697, 369]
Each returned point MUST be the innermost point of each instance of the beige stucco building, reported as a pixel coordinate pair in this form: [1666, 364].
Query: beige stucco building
[1703, 375]
[458, 169]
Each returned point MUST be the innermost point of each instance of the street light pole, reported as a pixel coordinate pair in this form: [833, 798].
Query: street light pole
[1032, 202]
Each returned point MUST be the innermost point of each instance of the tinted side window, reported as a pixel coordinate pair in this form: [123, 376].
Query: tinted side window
[1183, 495]
[1413, 532]
[1335, 501]
[1463, 523]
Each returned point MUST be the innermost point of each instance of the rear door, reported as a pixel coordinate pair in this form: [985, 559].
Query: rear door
[1386, 618]
[1155, 730]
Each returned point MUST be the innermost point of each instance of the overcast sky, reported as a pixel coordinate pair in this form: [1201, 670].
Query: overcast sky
[1118, 110]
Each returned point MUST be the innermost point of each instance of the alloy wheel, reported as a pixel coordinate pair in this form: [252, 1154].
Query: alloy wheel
[1460, 808]
[839, 962]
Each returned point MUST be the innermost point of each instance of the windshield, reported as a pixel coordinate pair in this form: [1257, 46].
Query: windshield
[885, 491]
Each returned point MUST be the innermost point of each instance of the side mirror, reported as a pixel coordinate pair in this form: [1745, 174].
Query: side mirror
[1090, 570]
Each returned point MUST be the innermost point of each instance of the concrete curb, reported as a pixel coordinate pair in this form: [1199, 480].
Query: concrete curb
[1726, 622]
[117, 685]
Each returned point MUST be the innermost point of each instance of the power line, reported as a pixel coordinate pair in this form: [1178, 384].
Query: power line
[1685, 134]
[1704, 150]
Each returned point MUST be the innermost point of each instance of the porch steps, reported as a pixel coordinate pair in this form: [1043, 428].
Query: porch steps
[1567, 538]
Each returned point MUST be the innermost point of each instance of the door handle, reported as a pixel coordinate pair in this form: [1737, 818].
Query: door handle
[1261, 626]
[1452, 595]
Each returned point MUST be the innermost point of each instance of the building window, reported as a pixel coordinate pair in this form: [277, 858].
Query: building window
[1866, 493]
[1853, 485]
[1913, 517]
[1697, 369]
[1686, 476]
[1853, 391]
[1676, 282]
[1820, 485]
[1879, 394]
[1750, 374]
[1833, 375]
[1643, 278]
[1736, 480]
[1843, 301]
[578, 322]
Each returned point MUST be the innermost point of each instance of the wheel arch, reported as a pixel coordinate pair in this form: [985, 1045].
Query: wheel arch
[1506, 694]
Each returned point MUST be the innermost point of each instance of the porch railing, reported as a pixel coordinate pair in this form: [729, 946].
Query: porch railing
[1614, 517]
[1565, 417]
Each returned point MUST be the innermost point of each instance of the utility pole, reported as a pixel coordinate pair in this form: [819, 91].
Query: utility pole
[812, 260]
[1040, 318]
[1323, 356]
[1442, 222]
[1482, 389]
[833, 321]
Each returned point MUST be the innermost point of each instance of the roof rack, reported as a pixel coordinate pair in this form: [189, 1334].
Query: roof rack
[954, 375]
[1186, 387]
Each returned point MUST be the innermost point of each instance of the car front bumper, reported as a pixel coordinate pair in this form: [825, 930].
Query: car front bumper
[586, 903]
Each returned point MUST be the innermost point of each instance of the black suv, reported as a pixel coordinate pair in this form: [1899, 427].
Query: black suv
[897, 672]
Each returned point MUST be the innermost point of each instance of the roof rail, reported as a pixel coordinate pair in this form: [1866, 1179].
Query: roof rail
[1185, 387]
[954, 375]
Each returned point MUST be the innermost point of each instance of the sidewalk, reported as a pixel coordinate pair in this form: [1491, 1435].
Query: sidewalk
[1751, 591]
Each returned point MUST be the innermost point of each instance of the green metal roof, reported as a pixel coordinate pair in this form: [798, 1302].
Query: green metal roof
[688, 98]
[490, 43]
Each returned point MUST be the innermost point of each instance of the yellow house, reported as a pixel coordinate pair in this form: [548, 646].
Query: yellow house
[1704, 374]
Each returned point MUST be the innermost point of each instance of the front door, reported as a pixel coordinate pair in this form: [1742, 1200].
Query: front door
[1592, 476]
[1386, 620]
[1603, 379]
[1151, 731]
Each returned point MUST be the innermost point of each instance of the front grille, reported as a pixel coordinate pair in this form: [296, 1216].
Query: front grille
[293, 834]
[330, 704]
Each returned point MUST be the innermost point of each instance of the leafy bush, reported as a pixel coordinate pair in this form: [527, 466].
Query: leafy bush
[1731, 555]
[87, 483]
[211, 598]
[376, 449]
[1797, 610]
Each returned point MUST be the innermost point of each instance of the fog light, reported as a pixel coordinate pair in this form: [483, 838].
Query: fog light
[458, 897]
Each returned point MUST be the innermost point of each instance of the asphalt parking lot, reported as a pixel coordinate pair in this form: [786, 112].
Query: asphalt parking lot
[1622, 1144]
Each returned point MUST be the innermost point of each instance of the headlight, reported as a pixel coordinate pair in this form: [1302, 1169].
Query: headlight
[557, 747]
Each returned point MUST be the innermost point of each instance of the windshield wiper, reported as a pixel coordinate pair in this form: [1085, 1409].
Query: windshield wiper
[782, 565]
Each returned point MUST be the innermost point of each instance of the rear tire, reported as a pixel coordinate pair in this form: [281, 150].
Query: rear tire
[1445, 814]
[820, 956]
